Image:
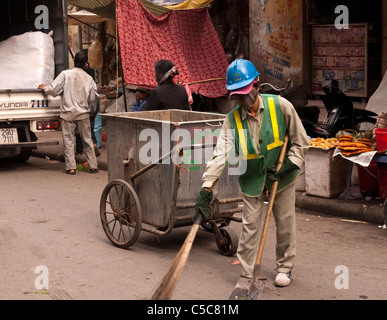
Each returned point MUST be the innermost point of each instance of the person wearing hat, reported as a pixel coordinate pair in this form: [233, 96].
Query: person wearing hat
[77, 88]
[255, 130]
[167, 95]
[141, 95]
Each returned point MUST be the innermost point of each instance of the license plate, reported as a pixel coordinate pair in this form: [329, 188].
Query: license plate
[8, 135]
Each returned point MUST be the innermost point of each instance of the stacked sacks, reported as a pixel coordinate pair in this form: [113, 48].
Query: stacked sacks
[27, 60]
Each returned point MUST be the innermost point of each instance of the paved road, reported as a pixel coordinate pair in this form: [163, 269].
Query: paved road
[50, 219]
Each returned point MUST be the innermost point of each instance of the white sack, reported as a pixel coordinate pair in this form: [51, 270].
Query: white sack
[378, 101]
[26, 61]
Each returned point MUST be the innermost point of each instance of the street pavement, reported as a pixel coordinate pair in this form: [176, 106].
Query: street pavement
[357, 210]
[56, 224]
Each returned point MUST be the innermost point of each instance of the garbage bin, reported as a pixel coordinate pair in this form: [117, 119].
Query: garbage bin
[147, 136]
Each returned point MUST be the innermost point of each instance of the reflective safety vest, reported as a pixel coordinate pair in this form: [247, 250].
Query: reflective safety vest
[254, 163]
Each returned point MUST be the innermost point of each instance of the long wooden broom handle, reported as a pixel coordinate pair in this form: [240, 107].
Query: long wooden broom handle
[167, 285]
[271, 202]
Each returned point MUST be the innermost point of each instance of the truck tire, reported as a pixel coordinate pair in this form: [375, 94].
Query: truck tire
[23, 156]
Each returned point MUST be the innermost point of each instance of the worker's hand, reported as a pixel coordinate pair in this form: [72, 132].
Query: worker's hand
[42, 86]
[203, 204]
[287, 167]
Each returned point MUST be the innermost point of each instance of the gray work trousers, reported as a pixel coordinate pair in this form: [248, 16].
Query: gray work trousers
[253, 219]
[68, 133]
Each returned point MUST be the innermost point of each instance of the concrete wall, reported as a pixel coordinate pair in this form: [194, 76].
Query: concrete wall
[276, 40]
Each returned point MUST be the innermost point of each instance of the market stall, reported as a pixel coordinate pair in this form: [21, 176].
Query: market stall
[329, 163]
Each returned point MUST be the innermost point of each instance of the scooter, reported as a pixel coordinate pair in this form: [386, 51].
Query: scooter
[341, 114]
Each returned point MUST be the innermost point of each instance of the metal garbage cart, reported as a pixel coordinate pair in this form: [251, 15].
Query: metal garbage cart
[156, 160]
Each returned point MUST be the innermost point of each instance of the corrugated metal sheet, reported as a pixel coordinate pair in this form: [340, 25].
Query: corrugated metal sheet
[90, 4]
[104, 8]
[84, 17]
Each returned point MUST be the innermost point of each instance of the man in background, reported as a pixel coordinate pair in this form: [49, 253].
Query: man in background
[78, 91]
[141, 96]
[167, 94]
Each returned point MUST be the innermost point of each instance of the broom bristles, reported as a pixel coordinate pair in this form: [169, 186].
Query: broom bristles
[168, 284]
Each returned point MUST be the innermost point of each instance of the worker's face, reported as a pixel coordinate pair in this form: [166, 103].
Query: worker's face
[246, 100]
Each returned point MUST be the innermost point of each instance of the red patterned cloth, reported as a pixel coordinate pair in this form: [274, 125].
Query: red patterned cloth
[187, 38]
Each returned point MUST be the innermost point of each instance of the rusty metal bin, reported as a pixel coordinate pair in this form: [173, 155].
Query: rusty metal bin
[157, 159]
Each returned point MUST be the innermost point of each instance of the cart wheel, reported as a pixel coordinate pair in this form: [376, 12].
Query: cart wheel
[208, 227]
[121, 214]
[228, 245]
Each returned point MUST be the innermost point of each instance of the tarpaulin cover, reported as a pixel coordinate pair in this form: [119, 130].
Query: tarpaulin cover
[190, 4]
[187, 38]
[378, 101]
[182, 4]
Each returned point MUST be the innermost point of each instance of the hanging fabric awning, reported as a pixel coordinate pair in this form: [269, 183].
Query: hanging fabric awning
[185, 37]
[106, 8]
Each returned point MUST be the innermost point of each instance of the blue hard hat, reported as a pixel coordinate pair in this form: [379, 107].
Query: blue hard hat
[240, 73]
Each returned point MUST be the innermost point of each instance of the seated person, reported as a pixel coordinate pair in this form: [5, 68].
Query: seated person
[141, 96]
[167, 94]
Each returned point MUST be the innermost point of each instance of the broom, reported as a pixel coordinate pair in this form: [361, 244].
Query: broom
[168, 284]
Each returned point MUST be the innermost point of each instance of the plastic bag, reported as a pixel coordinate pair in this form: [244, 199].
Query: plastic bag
[381, 121]
[95, 55]
[27, 60]
[94, 107]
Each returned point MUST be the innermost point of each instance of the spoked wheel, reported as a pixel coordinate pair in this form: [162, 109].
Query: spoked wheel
[228, 243]
[120, 212]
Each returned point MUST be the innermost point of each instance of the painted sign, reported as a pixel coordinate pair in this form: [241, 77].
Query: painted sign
[276, 40]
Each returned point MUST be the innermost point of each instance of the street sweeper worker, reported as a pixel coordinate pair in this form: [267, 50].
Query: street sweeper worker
[255, 131]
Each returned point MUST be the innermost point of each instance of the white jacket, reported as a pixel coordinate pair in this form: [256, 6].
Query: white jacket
[78, 91]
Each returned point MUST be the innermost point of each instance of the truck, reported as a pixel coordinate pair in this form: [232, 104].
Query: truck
[27, 111]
